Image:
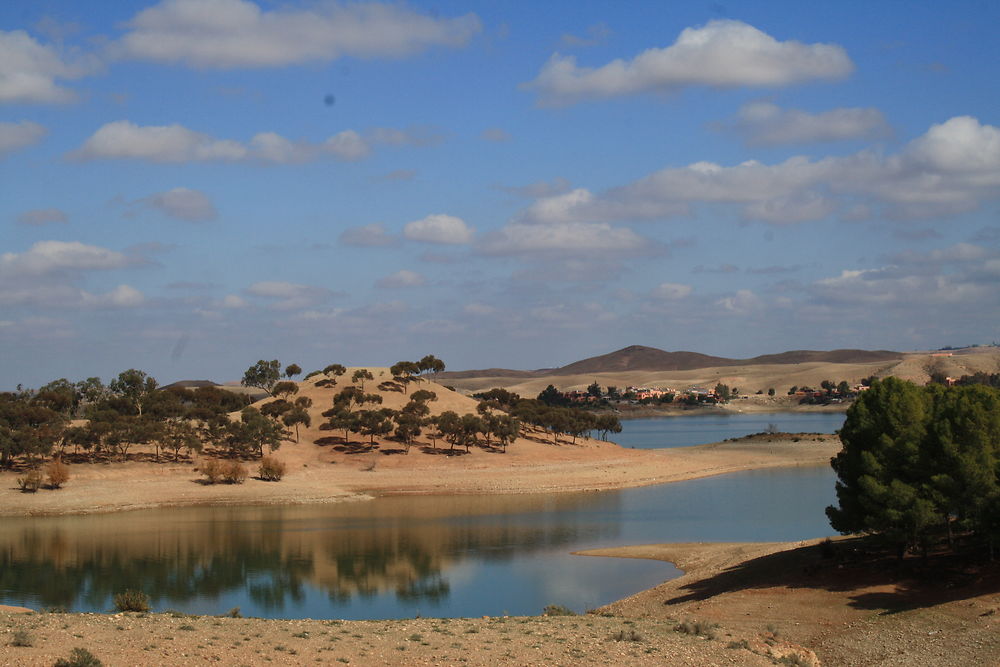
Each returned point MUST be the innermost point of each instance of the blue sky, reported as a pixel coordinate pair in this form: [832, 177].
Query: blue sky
[187, 186]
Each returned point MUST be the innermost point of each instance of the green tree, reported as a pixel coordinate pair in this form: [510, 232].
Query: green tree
[334, 369]
[607, 424]
[297, 416]
[430, 364]
[134, 386]
[882, 476]
[594, 390]
[375, 423]
[284, 389]
[263, 375]
[361, 375]
[342, 419]
[291, 370]
[770, 391]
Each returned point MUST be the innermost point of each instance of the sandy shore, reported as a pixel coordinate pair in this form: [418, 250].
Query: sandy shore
[321, 475]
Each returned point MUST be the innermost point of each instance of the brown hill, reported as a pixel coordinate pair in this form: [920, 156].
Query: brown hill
[642, 358]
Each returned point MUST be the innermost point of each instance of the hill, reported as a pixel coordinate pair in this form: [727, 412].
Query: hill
[637, 365]
[642, 358]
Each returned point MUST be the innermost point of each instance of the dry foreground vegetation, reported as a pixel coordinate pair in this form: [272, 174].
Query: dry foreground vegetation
[842, 603]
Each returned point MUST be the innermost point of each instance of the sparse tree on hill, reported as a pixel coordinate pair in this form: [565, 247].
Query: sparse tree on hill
[284, 389]
[430, 364]
[342, 419]
[297, 415]
[422, 395]
[263, 375]
[404, 371]
[291, 370]
[770, 391]
[408, 427]
[347, 397]
[361, 375]
[375, 423]
[335, 370]
[257, 431]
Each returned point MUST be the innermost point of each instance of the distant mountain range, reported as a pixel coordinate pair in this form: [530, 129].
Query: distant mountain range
[642, 358]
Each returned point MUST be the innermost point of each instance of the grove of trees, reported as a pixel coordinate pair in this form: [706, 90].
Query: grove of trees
[920, 465]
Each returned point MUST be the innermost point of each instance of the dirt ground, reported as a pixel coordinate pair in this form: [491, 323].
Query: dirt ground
[845, 603]
[319, 474]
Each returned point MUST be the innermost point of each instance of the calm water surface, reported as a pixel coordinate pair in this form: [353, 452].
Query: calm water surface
[700, 429]
[398, 557]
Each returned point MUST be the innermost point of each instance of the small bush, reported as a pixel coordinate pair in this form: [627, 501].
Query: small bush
[132, 601]
[234, 613]
[31, 482]
[79, 657]
[626, 636]
[743, 643]
[271, 469]
[697, 628]
[21, 638]
[557, 610]
[234, 472]
[57, 473]
[212, 470]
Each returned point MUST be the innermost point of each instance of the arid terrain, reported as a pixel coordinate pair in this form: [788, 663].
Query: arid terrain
[736, 604]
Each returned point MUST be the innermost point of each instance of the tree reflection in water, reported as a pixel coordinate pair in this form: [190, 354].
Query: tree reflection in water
[276, 556]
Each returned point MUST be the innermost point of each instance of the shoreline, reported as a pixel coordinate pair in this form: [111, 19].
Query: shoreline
[587, 466]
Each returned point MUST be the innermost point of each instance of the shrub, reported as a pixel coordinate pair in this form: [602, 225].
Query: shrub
[557, 610]
[234, 613]
[626, 636]
[212, 470]
[21, 638]
[79, 657]
[234, 472]
[271, 469]
[697, 628]
[132, 600]
[57, 473]
[31, 482]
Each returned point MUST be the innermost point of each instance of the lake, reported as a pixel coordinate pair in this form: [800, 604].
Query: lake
[398, 557]
[687, 430]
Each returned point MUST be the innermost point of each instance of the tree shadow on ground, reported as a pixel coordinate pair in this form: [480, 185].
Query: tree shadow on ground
[861, 566]
[441, 451]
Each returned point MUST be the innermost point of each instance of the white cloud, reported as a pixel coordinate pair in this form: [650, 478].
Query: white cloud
[184, 204]
[400, 279]
[54, 256]
[959, 275]
[670, 291]
[766, 124]
[238, 33]
[175, 143]
[953, 167]
[14, 136]
[42, 216]
[367, 236]
[743, 302]
[347, 145]
[123, 296]
[29, 70]
[439, 228]
[564, 239]
[158, 143]
[722, 53]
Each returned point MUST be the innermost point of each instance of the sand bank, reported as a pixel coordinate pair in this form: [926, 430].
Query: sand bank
[321, 475]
